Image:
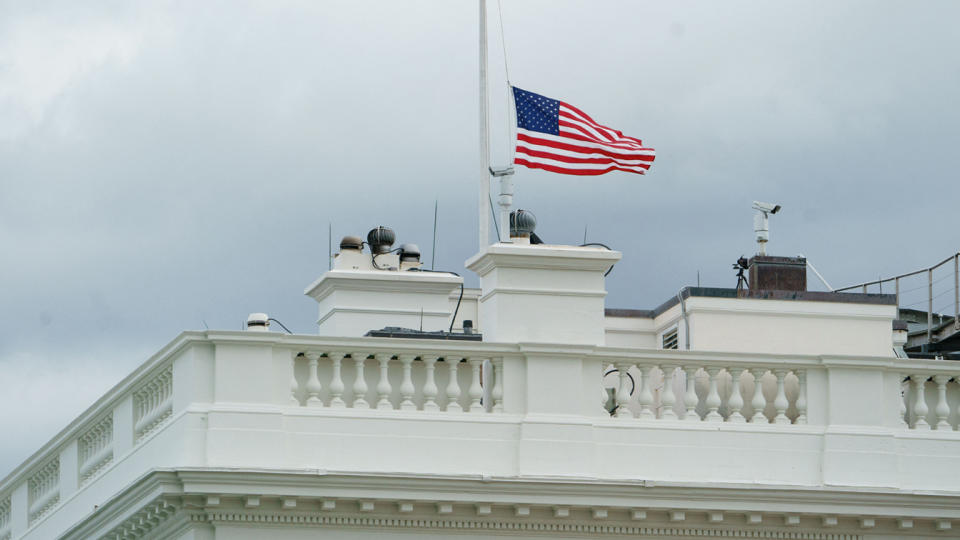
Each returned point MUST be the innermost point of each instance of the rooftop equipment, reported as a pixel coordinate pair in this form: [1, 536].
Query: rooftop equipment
[258, 322]
[409, 253]
[761, 224]
[351, 242]
[410, 333]
[380, 239]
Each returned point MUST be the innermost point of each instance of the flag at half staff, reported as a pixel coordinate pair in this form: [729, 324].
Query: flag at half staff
[558, 137]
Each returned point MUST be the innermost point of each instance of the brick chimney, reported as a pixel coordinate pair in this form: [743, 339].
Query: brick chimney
[778, 273]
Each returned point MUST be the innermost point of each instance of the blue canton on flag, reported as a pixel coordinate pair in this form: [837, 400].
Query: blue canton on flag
[536, 112]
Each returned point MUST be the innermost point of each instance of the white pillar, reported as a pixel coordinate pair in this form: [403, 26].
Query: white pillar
[713, 401]
[920, 409]
[360, 382]
[735, 403]
[384, 388]
[759, 401]
[406, 387]
[780, 402]
[690, 399]
[669, 398]
[336, 382]
[313, 382]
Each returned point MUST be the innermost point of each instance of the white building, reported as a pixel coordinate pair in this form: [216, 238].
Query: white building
[260, 434]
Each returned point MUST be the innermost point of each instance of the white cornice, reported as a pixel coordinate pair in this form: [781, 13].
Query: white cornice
[304, 498]
[383, 281]
[542, 257]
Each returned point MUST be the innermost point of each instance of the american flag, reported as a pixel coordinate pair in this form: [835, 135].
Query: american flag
[558, 137]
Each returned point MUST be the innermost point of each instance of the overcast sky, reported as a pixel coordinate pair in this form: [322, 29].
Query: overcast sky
[173, 165]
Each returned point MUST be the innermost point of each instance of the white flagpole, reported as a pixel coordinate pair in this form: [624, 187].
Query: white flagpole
[484, 200]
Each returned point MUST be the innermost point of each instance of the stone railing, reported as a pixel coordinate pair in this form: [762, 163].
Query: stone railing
[44, 489]
[930, 395]
[95, 449]
[407, 381]
[708, 390]
[153, 403]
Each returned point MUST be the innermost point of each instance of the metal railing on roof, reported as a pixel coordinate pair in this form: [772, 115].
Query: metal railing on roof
[929, 286]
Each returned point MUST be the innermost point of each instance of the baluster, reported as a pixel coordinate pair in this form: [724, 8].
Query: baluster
[430, 385]
[735, 403]
[453, 386]
[497, 392]
[336, 382]
[690, 399]
[780, 402]
[646, 396]
[801, 396]
[668, 398]
[942, 409]
[759, 401]
[383, 385]
[623, 392]
[406, 387]
[903, 399]
[920, 409]
[313, 382]
[476, 390]
[713, 401]
[360, 382]
[293, 386]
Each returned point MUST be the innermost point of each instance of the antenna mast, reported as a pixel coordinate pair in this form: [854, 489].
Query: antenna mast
[484, 209]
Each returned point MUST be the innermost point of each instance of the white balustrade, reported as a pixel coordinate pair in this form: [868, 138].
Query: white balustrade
[721, 397]
[43, 489]
[404, 381]
[916, 397]
[153, 403]
[95, 449]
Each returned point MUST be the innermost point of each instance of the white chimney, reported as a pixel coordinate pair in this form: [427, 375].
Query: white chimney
[363, 292]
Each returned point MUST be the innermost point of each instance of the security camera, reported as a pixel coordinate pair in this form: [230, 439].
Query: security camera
[766, 207]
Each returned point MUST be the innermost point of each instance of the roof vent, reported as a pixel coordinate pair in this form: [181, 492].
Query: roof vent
[409, 253]
[522, 223]
[258, 322]
[351, 242]
[380, 239]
